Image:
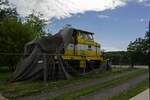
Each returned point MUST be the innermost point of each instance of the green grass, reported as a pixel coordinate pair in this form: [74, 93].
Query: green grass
[126, 95]
[4, 77]
[17, 89]
[88, 90]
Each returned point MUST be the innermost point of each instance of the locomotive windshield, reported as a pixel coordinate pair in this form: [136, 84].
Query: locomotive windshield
[86, 35]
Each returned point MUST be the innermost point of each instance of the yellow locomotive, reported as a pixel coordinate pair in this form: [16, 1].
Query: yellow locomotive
[83, 51]
[68, 53]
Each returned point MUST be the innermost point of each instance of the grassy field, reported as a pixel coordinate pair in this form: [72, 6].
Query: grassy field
[17, 89]
[125, 95]
[4, 77]
[74, 95]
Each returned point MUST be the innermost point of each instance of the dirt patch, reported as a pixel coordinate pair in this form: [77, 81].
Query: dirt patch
[72, 87]
[104, 94]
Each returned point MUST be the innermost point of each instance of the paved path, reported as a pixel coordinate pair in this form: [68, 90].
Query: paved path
[72, 87]
[142, 96]
[2, 98]
[105, 94]
[127, 66]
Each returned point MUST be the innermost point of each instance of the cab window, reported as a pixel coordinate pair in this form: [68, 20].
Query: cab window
[86, 36]
[89, 36]
[82, 35]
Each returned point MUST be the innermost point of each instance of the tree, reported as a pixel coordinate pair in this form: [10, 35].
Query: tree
[147, 37]
[118, 57]
[137, 51]
[37, 23]
[14, 35]
[6, 10]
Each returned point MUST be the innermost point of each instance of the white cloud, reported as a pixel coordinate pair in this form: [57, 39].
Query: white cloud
[142, 1]
[106, 46]
[111, 49]
[64, 8]
[147, 4]
[103, 16]
[142, 20]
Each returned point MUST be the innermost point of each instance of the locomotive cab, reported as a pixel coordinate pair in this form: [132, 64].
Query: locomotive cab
[83, 52]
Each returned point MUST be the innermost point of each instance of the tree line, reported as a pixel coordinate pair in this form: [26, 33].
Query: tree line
[137, 52]
[15, 32]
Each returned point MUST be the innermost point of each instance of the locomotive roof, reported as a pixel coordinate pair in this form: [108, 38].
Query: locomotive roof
[83, 31]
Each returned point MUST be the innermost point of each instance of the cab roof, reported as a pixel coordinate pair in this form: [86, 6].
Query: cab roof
[87, 32]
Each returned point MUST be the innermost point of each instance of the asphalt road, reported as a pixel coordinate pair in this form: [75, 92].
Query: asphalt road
[127, 66]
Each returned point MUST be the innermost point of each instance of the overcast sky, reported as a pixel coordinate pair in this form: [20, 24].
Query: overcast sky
[114, 22]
